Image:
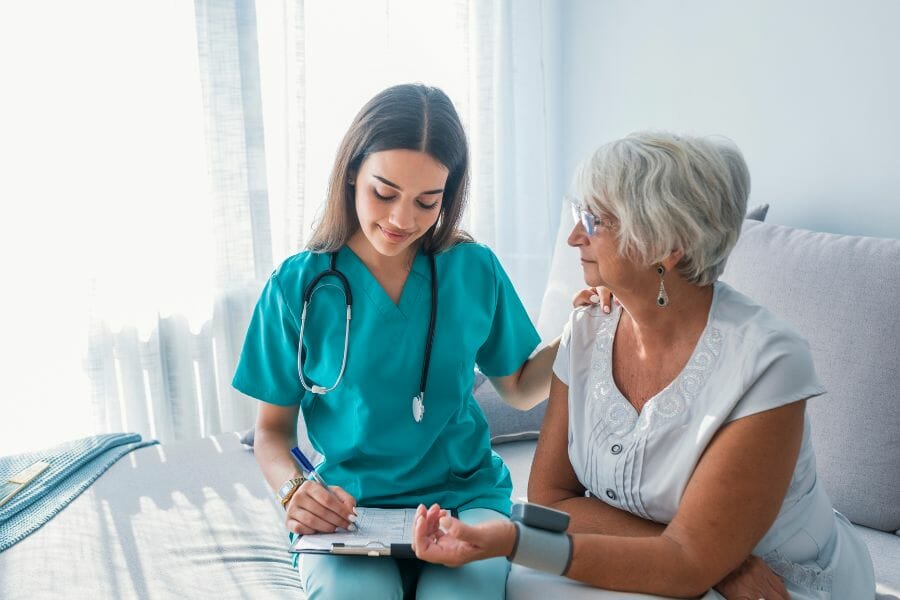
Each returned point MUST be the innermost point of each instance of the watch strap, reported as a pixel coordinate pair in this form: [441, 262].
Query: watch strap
[288, 488]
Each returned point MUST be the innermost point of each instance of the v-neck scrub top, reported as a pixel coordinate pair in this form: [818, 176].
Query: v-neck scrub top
[746, 361]
[373, 448]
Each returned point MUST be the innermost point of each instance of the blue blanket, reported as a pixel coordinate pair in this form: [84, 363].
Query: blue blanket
[73, 467]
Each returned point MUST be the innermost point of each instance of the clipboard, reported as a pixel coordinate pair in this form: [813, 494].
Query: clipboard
[380, 532]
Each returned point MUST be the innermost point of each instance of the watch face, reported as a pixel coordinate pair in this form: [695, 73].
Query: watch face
[289, 486]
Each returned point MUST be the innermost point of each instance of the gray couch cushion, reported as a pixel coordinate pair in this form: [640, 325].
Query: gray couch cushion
[507, 423]
[518, 457]
[528, 584]
[758, 213]
[841, 293]
[885, 551]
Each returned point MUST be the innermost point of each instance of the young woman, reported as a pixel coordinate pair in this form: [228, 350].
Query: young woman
[386, 394]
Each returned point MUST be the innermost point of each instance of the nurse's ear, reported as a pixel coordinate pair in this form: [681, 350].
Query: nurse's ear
[351, 178]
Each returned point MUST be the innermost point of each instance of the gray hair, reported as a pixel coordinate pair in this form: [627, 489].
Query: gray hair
[670, 192]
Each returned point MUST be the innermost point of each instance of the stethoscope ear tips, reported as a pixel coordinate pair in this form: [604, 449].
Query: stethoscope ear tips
[318, 389]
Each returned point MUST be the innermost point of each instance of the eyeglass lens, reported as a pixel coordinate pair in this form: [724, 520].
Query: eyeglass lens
[586, 218]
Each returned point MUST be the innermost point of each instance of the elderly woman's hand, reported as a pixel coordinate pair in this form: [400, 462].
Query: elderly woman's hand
[751, 581]
[439, 538]
[594, 295]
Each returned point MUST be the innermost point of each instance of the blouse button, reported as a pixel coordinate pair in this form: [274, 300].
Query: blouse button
[616, 448]
[610, 494]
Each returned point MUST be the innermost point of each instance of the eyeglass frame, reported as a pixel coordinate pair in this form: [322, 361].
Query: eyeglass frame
[588, 220]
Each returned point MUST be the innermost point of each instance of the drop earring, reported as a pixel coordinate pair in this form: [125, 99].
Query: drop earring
[662, 299]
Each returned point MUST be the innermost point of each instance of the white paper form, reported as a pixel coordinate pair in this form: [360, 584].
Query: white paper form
[375, 527]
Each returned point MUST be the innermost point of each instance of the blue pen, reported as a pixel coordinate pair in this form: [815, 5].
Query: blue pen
[311, 473]
[308, 469]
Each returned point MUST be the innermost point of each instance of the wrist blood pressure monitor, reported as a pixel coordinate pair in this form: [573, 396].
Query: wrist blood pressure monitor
[541, 539]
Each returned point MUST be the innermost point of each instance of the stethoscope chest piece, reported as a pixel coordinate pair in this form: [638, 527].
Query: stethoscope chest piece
[418, 408]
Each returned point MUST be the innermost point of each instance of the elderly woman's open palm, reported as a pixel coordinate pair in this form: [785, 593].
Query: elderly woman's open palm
[439, 538]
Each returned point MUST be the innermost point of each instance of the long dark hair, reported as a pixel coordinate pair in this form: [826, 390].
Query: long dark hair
[409, 117]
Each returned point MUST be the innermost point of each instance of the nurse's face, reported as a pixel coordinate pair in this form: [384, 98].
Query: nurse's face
[398, 198]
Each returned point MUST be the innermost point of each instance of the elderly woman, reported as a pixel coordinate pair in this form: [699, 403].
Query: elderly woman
[675, 435]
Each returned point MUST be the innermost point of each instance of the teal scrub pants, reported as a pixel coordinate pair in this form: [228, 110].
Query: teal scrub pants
[355, 577]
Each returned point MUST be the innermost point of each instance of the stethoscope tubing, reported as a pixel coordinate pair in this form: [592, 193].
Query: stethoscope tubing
[307, 297]
[430, 339]
[333, 271]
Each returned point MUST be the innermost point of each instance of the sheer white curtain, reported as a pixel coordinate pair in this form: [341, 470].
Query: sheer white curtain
[136, 233]
[106, 203]
[143, 206]
[515, 125]
[171, 379]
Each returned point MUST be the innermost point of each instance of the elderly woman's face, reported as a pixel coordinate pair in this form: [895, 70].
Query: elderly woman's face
[599, 252]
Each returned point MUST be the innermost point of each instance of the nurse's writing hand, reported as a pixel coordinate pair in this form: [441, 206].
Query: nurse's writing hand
[313, 509]
[753, 579]
[439, 538]
[598, 295]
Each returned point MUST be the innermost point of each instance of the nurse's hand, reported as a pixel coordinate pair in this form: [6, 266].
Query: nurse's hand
[439, 538]
[314, 509]
[598, 295]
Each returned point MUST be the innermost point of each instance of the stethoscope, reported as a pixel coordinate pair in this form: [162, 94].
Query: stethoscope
[418, 401]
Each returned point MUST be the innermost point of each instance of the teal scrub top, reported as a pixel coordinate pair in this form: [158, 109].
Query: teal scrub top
[373, 447]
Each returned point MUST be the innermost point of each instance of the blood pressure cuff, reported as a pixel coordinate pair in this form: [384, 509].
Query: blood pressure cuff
[543, 550]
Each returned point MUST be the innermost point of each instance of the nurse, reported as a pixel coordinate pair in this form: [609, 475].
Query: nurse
[396, 196]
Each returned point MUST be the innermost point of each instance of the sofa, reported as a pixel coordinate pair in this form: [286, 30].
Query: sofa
[196, 519]
[841, 293]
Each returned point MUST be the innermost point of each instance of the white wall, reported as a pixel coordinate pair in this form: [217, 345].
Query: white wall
[810, 91]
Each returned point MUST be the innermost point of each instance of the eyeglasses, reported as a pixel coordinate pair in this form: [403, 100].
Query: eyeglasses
[588, 220]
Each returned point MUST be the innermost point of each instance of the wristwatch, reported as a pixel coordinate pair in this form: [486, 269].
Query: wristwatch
[288, 488]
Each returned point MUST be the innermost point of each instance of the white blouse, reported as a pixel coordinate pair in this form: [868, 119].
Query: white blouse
[747, 361]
